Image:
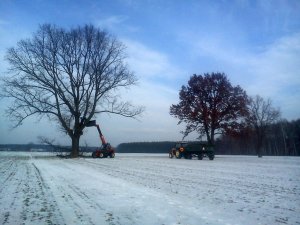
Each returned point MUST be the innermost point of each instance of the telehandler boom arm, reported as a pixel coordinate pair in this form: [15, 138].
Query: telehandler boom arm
[92, 123]
[103, 141]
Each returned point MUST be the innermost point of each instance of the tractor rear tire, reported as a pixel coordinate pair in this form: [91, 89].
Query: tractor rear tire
[94, 155]
[178, 154]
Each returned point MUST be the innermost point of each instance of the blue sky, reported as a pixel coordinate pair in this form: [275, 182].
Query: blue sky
[256, 43]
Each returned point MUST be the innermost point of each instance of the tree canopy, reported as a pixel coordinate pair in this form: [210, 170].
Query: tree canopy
[66, 75]
[209, 105]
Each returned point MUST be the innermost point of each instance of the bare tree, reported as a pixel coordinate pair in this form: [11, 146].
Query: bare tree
[261, 116]
[67, 75]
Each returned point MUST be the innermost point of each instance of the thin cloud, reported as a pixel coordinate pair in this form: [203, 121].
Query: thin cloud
[111, 22]
[273, 72]
[276, 73]
[148, 63]
[279, 65]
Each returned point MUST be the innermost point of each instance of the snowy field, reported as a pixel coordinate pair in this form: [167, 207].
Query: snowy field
[37, 188]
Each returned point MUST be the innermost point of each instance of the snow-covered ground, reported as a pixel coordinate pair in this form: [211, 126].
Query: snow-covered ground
[37, 188]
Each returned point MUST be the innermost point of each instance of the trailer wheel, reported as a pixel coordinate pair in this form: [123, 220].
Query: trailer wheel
[101, 155]
[188, 156]
[112, 155]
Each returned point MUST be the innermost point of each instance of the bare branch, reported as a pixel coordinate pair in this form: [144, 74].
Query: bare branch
[261, 116]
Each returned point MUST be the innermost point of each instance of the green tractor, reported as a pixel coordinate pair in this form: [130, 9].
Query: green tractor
[188, 150]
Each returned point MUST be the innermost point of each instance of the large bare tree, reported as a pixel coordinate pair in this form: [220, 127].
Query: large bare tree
[261, 115]
[67, 75]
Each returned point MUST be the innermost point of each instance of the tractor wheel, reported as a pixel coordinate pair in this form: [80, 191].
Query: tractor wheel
[101, 155]
[211, 157]
[171, 155]
[94, 155]
[112, 155]
[200, 156]
[178, 154]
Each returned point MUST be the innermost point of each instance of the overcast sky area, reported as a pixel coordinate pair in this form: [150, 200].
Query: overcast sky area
[256, 43]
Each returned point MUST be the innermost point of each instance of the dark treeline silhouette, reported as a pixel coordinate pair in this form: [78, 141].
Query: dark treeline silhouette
[145, 147]
[25, 147]
[282, 139]
[42, 148]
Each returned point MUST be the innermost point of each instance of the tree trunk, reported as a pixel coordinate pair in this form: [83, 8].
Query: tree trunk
[212, 140]
[212, 136]
[259, 140]
[259, 146]
[75, 146]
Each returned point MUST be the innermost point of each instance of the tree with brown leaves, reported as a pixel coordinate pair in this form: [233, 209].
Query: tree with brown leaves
[210, 105]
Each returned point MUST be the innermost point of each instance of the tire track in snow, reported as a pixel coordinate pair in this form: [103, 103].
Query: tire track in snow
[7, 171]
[255, 191]
[229, 188]
[24, 197]
[130, 206]
[185, 177]
[78, 206]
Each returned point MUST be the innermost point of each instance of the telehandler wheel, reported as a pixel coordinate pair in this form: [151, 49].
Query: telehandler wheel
[171, 155]
[112, 155]
[101, 155]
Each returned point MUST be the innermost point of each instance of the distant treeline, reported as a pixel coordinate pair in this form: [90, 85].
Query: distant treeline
[160, 147]
[41, 148]
[25, 147]
[282, 138]
[165, 146]
[145, 147]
